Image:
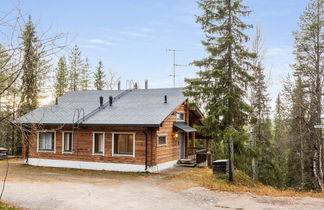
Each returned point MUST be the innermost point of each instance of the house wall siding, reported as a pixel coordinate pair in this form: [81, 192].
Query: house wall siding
[171, 151]
[82, 145]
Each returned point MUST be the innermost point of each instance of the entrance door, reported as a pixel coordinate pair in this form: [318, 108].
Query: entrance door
[182, 145]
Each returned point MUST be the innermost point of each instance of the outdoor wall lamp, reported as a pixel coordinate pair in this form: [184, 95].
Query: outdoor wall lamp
[175, 135]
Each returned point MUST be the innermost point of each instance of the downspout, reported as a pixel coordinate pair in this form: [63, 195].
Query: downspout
[146, 140]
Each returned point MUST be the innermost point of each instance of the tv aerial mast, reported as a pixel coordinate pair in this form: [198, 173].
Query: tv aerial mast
[174, 64]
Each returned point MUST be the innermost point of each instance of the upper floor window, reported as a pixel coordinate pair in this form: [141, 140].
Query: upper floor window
[124, 144]
[67, 142]
[98, 143]
[46, 141]
[180, 116]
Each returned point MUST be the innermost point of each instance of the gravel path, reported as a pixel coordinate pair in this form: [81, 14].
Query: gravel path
[41, 188]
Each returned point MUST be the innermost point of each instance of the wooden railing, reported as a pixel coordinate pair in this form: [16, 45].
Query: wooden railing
[200, 155]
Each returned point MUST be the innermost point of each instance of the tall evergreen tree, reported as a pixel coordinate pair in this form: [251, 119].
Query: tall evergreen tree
[85, 75]
[99, 77]
[61, 77]
[261, 124]
[75, 67]
[30, 65]
[279, 119]
[309, 66]
[221, 85]
[297, 174]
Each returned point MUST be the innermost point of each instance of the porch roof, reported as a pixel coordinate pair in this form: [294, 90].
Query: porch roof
[184, 127]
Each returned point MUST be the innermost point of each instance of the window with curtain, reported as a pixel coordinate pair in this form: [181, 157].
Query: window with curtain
[46, 141]
[98, 143]
[68, 142]
[123, 144]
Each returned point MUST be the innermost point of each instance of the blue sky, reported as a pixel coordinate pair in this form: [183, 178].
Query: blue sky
[131, 36]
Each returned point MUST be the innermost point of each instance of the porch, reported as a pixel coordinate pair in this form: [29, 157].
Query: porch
[190, 154]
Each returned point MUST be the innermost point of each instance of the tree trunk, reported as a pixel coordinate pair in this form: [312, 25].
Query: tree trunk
[231, 159]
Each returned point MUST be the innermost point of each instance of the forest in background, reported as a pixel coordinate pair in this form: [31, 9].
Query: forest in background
[281, 149]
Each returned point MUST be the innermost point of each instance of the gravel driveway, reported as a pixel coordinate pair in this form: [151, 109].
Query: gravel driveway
[48, 188]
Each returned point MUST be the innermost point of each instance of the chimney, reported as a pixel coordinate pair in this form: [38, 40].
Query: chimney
[101, 101]
[165, 99]
[118, 85]
[56, 101]
[110, 100]
[146, 84]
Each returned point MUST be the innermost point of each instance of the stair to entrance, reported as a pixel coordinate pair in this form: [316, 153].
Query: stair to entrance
[187, 162]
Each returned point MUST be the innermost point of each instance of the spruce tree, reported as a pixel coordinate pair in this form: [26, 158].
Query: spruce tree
[75, 67]
[260, 122]
[61, 77]
[297, 175]
[85, 75]
[309, 66]
[30, 64]
[221, 84]
[99, 77]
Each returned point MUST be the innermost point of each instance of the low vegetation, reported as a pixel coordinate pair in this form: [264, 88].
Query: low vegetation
[243, 183]
[4, 206]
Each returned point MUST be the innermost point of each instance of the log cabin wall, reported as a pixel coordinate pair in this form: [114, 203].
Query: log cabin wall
[83, 145]
[171, 150]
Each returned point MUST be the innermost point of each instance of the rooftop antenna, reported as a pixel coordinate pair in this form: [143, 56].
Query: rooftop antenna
[174, 64]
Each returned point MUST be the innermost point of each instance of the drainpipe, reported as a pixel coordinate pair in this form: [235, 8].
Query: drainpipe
[146, 146]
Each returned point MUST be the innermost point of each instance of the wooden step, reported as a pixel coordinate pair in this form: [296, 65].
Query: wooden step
[187, 164]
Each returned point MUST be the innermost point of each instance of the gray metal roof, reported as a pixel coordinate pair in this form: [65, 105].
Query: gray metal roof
[135, 107]
[184, 127]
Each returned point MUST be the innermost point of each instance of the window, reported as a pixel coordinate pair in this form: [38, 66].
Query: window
[123, 143]
[161, 140]
[98, 143]
[67, 143]
[46, 141]
[180, 116]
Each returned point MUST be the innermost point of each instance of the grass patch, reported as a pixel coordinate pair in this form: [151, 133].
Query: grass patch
[4, 206]
[243, 183]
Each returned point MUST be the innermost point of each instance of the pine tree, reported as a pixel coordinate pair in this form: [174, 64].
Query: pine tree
[30, 65]
[61, 77]
[99, 77]
[85, 75]
[76, 65]
[309, 66]
[221, 86]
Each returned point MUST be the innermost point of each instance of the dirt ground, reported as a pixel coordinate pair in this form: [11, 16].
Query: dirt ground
[52, 188]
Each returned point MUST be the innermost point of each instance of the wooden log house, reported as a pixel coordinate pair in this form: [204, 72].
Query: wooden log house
[120, 130]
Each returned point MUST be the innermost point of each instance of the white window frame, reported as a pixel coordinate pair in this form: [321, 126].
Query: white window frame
[93, 143]
[63, 136]
[113, 142]
[157, 140]
[184, 117]
[46, 131]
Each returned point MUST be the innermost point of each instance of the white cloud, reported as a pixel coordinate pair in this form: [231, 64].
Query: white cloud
[134, 34]
[99, 41]
[275, 51]
[144, 29]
